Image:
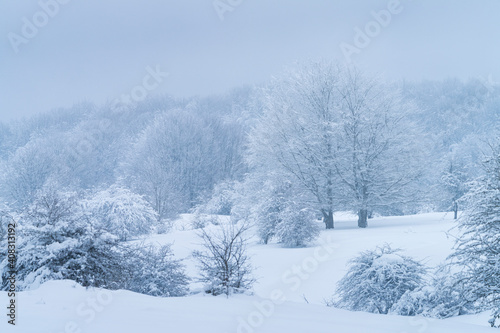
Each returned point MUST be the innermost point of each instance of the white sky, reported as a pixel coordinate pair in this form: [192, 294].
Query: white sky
[96, 50]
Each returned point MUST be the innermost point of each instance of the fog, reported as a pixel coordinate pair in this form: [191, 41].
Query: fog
[98, 50]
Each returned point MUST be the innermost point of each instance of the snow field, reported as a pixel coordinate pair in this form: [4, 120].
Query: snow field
[289, 296]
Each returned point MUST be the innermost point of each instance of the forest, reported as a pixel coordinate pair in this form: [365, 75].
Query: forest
[279, 160]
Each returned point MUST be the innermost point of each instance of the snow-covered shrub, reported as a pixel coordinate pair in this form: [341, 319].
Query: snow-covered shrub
[495, 319]
[224, 264]
[57, 241]
[296, 227]
[416, 302]
[164, 226]
[377, 279]
[281, 214]
[121, 212]
[154, 271]
[221, 200]
[200, 221]
[246, 198]
[268, 211]
[443, 297]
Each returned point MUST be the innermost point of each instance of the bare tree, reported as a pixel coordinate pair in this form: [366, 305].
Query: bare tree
[223, 262]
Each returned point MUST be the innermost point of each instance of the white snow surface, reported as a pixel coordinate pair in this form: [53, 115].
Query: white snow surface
[387, 260]
[289, 296]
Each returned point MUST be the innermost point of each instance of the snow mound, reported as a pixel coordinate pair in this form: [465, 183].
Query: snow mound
[99, 311]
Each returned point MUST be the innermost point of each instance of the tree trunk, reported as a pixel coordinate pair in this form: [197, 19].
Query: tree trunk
[363, 218]
[455, 210]
[328, 219]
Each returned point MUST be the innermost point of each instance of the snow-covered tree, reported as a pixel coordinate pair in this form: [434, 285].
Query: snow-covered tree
[5, 218]
[377, 279]
[341, 136]
[177, 160]
[29, 169]
[5, 137]
[477, 250]
[224, 265]
[121, 212]
[295, 134]
[462, 165]
[149, 169]
[89, 153]
[455, 182]
[376, 156]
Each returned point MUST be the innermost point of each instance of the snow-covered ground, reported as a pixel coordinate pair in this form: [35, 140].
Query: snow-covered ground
[289, 296]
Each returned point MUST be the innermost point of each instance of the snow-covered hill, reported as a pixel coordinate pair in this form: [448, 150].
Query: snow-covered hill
[289, 296]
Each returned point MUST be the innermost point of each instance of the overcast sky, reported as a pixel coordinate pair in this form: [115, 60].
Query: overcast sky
[98, 50]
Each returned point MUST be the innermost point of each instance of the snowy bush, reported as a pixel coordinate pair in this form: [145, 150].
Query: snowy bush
[495, 319]
[220, 202]
[154, 271]
[376, 280]
[416, 302]
[223, 262]
[296, 227]
[200, 221]
[443, 297]
[57, 241]
[164, 226]
[121, 212]
[281, 214]
[271, 203]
